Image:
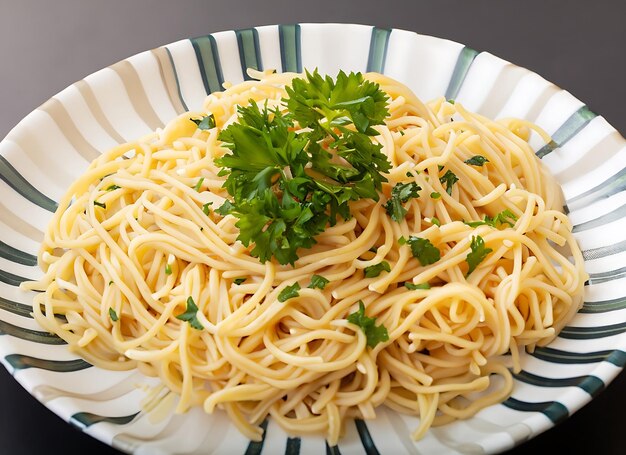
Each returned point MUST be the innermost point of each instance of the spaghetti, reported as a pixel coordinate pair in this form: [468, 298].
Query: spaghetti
[136, 239]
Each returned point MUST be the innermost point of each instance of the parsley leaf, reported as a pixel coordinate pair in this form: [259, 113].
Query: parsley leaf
[205, 208]
[199, 184]
[238, 281]
[113, 315]
[168, 269]
[206, 123]
[504, 217]
[423, 250]
[191, 315]
[318, 281]
[292, 173]
[323, 101]
[477, 160]
[448, 179]
[113, 187]
[435, 221]
[478, 253]
[374, 334]
[435, 195]
[100, 204]
[400, 194]
[289, 292]
[225, 208]
[374, 270]
[413, 287]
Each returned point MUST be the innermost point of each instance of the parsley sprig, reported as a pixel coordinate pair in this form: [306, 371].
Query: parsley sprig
[504, 217]
[449, 179]
[374, 333]
[422, 249]
[476, 160]
[205, 123]
[289, 292]
[400, 194]
[191, 315]
[290, 173]
[477, 254]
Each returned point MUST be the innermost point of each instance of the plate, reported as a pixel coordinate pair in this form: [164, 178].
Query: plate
[54, 144]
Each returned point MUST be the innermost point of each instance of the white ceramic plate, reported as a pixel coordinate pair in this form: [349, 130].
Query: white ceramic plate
[53, 145]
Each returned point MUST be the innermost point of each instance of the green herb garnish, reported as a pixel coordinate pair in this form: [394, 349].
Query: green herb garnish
[289, 292]
[374, 270]
[400, 194]
[238, 281]
[113, 315]
[285, 186]
[318, 281]
[423, 250]
[476, 160]
[191, 315]
[168, 269]
[504, 217]
[374, 334]
[478, 253]
[100, 204]
[205, 208]
[199, 184]
[435, 195]
[435, 221]
[449, 179]
[206, 123]
[113, 187]
[413, 287]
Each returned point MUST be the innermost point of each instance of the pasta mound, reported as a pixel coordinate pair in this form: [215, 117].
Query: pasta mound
[137, 235]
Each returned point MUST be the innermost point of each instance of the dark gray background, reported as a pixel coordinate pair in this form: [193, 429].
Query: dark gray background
[47, 45]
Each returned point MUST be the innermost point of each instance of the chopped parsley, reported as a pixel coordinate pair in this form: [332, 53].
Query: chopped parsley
[113, 187]
[113, 315]
[476, 160]
[413, 287]
[191, 315]
[318, 281]
[423, 250]
[374, 270]
[238, 281]
[205, 123]
[168, 269]
[448, 180]
[504, 217]
[374, 334]
[435, 195]
[100, 204]
[400, 194]
[205, 208]
[289, 292]
[285, 186]
[199, 184]
[435, 221]
[478, 253]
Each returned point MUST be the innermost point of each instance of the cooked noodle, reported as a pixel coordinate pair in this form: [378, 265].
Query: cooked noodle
[300, 361]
